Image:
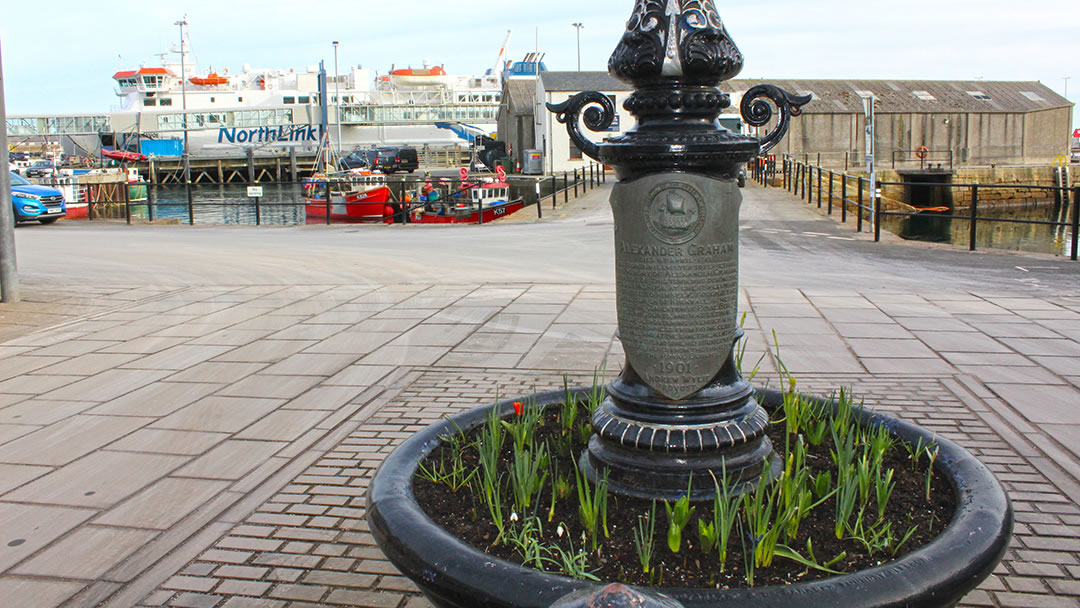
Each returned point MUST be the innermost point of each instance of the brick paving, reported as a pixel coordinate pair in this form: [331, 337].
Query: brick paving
[211, 445]
[309, 544]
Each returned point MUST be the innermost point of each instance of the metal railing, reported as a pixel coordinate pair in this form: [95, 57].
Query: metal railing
[308, 199]
[831, 188]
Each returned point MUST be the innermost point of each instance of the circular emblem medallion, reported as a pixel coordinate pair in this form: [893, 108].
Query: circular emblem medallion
[675, 213]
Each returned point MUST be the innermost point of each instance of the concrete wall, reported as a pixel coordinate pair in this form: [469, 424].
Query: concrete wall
[1032, 138]
[518, 131]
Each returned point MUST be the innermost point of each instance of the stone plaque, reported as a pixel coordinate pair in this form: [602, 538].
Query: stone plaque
[677, 273]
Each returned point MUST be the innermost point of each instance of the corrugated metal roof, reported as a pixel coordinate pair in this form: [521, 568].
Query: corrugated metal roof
[581, 81]
[842, 96]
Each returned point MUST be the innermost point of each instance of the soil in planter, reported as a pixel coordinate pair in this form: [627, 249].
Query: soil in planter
[465, 515]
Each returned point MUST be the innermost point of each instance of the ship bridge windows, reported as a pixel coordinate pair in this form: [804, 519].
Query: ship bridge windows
[416, 114]
[218, 120]
[479, 97]
[57, 125]
[152, 82]
[261, 118]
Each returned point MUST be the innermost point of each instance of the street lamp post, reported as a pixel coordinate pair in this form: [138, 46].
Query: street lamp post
[337, 98]
[9, 273]
[183, 105]
[578, 26]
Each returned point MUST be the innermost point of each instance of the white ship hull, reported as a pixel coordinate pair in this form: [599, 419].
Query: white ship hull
[275, 141]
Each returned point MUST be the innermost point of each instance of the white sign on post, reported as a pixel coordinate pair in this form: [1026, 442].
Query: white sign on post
[254, 191]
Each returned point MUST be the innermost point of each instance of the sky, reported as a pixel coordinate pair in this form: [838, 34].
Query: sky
[60, 57]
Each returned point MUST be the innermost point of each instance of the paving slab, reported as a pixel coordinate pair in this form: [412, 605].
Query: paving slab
[68, 439]
[99, 480]
[25, 529]
[219, 414]
[86, 553]
[163, 504]
[42, 411]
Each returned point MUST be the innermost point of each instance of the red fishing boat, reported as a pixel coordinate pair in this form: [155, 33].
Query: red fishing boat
[474, 203]
[356, 196]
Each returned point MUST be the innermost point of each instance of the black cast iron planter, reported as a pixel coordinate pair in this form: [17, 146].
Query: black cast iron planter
[453, 574]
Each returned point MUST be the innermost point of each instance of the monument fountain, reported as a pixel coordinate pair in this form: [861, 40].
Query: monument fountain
[680, 414]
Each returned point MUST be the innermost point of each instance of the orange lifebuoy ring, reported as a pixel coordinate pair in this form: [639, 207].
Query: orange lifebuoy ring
[922, 152]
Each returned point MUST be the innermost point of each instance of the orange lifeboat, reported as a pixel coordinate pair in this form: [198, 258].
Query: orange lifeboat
[434, 71]
[421, 77]
[211, 79]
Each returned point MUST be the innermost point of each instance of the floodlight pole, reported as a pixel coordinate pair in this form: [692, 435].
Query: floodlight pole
[183, 105]
[578, 26]
[337, 98]
[9, 273]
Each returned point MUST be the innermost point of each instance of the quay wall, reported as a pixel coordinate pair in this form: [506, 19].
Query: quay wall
[893, 196]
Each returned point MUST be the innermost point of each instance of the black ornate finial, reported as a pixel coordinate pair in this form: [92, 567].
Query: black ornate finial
[677, 41]
[675, 53]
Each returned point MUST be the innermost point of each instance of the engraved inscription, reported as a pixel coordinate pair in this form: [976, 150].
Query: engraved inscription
[676, 267]
[681, 317]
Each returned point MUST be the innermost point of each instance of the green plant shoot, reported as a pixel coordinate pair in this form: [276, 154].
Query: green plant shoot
[678, 517]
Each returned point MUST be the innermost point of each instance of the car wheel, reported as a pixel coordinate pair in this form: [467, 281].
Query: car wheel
[411, 171]
[48, 220]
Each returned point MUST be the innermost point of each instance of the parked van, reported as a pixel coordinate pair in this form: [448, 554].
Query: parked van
[388, 159]
[407, 160]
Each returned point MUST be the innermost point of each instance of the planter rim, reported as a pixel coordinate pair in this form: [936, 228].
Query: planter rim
[453, 573]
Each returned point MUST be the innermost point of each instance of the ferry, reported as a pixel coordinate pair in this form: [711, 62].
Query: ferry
[268, 111]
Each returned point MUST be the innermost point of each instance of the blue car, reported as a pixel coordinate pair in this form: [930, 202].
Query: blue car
[36, 203]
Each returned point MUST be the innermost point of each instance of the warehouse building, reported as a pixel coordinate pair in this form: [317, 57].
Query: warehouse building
[973, 123]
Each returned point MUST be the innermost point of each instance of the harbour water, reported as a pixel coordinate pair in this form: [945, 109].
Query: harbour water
[281, 204]
[1008, 235]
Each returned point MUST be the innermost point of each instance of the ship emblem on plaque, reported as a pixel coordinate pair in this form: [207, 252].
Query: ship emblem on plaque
[672, 272]
[675, 213]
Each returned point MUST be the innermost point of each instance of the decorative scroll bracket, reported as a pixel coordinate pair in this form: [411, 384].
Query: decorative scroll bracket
[757, 112]
[596, 119]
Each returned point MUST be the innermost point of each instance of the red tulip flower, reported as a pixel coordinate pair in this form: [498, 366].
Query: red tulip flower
[518, 408]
